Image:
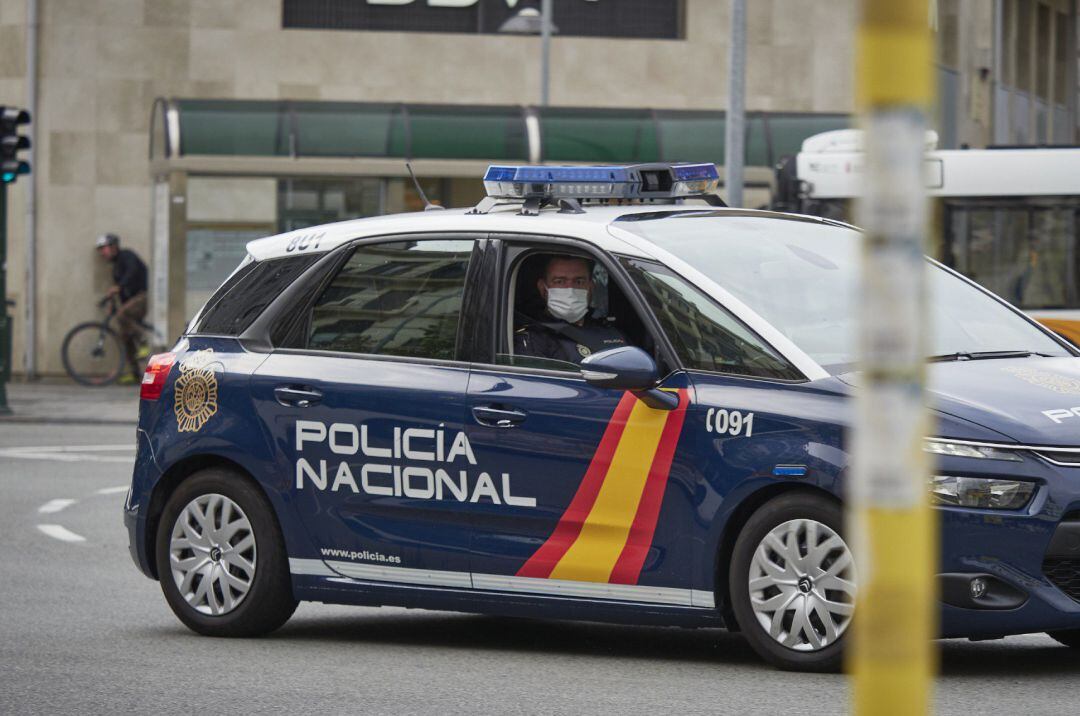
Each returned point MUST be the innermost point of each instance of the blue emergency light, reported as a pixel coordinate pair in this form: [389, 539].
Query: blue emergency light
[635, 181]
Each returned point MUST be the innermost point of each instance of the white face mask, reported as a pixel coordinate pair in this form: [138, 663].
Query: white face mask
[569, 304]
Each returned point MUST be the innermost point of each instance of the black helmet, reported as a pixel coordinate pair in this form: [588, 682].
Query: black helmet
[107, 240]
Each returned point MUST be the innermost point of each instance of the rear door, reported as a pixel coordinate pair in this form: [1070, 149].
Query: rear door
[365, 404]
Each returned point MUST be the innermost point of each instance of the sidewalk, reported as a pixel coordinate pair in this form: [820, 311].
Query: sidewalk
[47, 402]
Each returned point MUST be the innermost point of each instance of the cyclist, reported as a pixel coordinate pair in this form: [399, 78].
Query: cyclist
[129, 288]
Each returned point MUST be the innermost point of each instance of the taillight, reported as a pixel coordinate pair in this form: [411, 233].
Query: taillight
[157, 372]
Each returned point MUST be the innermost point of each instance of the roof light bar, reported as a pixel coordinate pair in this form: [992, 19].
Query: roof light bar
[637, 181]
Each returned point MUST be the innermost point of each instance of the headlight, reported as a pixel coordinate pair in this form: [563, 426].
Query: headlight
[944, 447]
[984, 492]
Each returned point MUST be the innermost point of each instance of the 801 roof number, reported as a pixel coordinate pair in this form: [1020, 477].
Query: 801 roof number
[303, 242]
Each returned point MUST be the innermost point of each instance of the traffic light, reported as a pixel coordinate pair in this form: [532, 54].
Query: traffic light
[11, 143]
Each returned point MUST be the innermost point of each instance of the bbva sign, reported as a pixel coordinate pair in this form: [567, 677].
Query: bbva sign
[443, 3]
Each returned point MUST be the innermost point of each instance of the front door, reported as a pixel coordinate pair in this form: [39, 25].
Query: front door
[585, 472]
[367, 410]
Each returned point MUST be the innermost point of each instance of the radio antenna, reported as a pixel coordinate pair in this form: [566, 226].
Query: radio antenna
[428, 206]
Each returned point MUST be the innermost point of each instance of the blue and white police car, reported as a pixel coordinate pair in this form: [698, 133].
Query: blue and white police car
[587, 397]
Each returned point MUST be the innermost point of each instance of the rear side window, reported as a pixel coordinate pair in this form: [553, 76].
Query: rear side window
[705, 336]
[243, 297]
[399, 299]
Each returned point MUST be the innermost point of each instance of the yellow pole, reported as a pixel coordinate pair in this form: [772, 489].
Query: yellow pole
[891, 656]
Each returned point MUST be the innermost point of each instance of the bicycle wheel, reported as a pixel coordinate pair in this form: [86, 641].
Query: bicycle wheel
[93, 354]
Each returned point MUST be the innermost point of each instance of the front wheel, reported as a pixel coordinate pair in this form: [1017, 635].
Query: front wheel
[1070, 637]
[93, 354]
[792, 582]
[221, 558]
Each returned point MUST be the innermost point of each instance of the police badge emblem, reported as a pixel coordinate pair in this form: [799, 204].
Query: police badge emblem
[1045, 379]
[196, 391]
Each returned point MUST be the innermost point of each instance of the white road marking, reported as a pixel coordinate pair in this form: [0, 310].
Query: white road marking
[52, 506]
[55, 506]
[61, 533]
[71, 453]
[112, 490]
[125, 447]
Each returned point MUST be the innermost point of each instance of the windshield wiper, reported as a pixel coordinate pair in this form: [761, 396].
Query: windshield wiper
[983, 355]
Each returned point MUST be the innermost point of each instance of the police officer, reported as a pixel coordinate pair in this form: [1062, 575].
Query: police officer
[565, 332]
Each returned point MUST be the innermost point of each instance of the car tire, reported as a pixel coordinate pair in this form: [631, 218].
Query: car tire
[794, 636]
[221, 559]
[1070, 637]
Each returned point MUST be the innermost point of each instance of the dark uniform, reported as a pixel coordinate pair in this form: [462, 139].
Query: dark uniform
[564, 341]
[129, 273]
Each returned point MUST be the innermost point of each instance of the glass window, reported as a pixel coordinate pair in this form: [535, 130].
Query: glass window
[400, 299]
[213, 251]
[248, 292]
[1024, 12]
[1025, 252]
[705, 336]
[610, 313]
[1042, 56]
[948, 26]
[624, 18]
[312, 201]
[1061, 60]
[949, 86]
[1009, 30]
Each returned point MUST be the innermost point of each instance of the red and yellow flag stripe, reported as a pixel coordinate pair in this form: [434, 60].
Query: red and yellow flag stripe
[605, 533]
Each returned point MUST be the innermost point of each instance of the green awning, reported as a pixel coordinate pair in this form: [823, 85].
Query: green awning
[240, 128]
[464, 132]
[205, 127]
[346, 129]
[600, 136]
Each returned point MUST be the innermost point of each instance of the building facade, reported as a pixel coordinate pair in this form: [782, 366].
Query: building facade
[191, 126]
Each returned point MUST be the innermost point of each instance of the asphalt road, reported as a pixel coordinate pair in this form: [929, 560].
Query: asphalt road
[82, 631]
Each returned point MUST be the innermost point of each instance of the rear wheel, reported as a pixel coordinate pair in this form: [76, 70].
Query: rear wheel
[792, 582]
[221, 559]
[93, 354]
[1068, 638]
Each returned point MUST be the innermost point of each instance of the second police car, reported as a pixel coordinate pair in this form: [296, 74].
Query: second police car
[357, 416]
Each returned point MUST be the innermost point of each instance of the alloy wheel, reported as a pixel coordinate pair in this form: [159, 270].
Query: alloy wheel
[212, 554]
[802, 585]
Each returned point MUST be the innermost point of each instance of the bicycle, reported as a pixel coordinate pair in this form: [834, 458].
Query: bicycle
[93, 352]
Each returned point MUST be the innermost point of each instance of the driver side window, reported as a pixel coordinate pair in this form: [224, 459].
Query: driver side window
[548, 324]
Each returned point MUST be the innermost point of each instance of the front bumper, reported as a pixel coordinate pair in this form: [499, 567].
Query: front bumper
[1035, 551]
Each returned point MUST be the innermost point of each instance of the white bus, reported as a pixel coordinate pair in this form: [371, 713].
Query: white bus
[1007, 217]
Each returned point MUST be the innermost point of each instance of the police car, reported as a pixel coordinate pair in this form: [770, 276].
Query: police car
[354, 418]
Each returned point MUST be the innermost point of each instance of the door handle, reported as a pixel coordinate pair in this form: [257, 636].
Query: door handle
[297, 396]
[497, 417]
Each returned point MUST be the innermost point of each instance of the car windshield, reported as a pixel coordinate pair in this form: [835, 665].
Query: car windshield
[802, 277]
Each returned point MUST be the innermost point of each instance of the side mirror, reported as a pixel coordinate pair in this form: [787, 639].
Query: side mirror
[628, 368]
